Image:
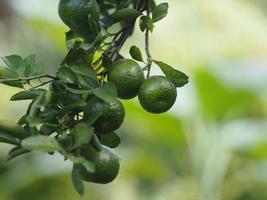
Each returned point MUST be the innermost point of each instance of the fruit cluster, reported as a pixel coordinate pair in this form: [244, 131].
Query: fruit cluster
[80, 110]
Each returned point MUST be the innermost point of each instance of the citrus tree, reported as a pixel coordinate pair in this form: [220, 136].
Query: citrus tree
[76, 110]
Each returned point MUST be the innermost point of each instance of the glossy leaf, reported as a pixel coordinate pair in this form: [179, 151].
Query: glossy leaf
[136, 53]
[94, 10]
[84, 69]
[77, 180]
[125, 14]
[82, 134]
[108, 92]
[6, 138]
[15, 152]
[41, 143]
[67, 75]
[177, 77]
[27, 95]
[146, 22]
[160, 11]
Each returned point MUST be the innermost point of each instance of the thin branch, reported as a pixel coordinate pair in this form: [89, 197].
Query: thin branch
[147, 48]
[30, 78]
[42, 84]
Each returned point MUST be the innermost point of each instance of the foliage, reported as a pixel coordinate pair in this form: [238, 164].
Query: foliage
[59, 117]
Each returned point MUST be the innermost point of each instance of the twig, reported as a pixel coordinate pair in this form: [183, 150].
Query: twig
[29, 78]
[147, 49]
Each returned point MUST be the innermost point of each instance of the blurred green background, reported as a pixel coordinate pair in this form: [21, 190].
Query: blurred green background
[212, 145]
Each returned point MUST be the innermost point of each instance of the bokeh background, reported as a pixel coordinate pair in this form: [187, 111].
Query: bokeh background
[212, 145]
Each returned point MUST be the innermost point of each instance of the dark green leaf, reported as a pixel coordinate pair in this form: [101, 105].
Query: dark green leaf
[15, 152]
[82, 134]
[14, 83]
[160, 11]
[67, 75]
[48, 128]
[125, 14]
[87, 82]
[152, 4]
[90, 116]
[77, 180]
[111, 140]
[177, 77]
[35, 107]
[41, 143]
[146, 22]
[27, 95]
[72, 41]
[96, 143]
[11, 128]
[74, 105]
[106, 62]
[94, 10]
[136, 53]
[108, 92]
[6, 138]
[84, 68]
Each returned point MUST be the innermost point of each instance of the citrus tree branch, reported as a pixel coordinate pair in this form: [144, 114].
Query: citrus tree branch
[147, 48]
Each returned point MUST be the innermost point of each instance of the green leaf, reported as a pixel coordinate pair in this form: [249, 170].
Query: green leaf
[108, 92]
[87, 82]
[41, 143]
[6, 73]
[94, 10]
[84, 69]
[136, 53]
[146, 22]
[111, 140]
[67, 75]
[6, 138]
[48, 128]
[27, 95]
[77, 180]
[96, 143]
[11, 128]
[72, 41]
[82, 134]
[160, 11]
[177, 77]
[125, 14]
[14, 83]
[75, 105]
[106, 62]
[90, 116]
[23, 67]
[32, 66]
[35, 107]
[15, 152]
[15, 63]
[152, 4]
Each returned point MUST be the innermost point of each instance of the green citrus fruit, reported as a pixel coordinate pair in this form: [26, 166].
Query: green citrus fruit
[112, 115]
[106, 162]
[128, 76]
[74, 13]
[157, 94]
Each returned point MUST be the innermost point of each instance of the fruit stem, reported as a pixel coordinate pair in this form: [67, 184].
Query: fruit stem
[147, 48]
